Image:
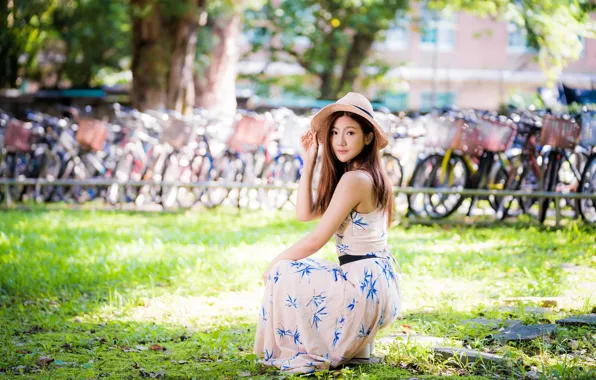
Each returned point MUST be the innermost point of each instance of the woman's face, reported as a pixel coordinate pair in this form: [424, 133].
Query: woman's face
[347, 139]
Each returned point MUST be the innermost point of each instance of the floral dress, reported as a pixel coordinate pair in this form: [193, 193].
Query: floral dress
[317, 314]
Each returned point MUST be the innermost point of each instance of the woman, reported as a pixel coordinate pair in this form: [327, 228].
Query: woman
[317, 314]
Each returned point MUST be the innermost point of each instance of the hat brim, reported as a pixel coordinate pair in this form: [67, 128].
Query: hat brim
[321, 122]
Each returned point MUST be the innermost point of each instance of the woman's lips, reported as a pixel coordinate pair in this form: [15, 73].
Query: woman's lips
[341, 151]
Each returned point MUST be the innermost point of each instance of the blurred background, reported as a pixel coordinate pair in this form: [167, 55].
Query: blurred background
[404, 55]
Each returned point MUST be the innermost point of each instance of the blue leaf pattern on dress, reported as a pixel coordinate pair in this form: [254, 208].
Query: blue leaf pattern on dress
[352, 304]
[292, 302]
[317, 317]
[386, 270]
[318, 300]
[336, 335]
[268, 355]
[295, 335]
[357, 221]
[363, 332]
[342, 248]
[276, 276]
[367, 279]
[382, 318]
[372, 291]
[281, 332]
[305, 270]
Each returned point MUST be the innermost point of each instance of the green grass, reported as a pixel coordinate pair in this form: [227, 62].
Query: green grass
[94, 290]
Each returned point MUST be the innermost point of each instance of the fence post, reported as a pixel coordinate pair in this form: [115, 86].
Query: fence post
[7, 194]
[121, 198]
[558, 211]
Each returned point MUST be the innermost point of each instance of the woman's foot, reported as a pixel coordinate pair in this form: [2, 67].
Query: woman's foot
[366, 352]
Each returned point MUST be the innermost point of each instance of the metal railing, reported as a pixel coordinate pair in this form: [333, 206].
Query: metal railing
[7, 182]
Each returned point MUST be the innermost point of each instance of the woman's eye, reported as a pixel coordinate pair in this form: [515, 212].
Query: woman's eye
[350, 133]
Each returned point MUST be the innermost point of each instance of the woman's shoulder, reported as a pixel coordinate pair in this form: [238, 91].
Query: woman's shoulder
[358, 178]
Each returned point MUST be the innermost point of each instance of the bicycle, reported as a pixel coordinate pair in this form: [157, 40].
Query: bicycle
[561, 135]
[586, 208]
[482, 164]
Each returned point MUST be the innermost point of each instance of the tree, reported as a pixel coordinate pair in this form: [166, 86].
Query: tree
[24, 25]
[164, 37]
[217, 58]
[340, 34]
[218, 55]
[95, 36]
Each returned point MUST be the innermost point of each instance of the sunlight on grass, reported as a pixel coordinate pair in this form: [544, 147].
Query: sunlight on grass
[104, 286]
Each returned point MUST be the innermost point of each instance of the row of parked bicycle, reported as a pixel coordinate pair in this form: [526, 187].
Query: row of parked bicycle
[457, 149]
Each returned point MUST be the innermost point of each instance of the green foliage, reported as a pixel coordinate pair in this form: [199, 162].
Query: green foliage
[24, 27]
[329, 30]
[95, 35]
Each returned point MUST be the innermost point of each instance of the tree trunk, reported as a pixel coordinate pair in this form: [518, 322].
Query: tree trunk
[327, 77]
[163, 55]
[358, 52]
[180, 82]
[216, 85]
[9, 54]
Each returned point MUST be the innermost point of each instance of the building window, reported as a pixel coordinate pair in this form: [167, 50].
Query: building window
[396, 101]
[442, 100]
[438, 29]
[517, 39]
[396, 36]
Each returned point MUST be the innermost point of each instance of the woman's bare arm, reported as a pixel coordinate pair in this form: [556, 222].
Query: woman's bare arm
[304, 203]
[353, 188]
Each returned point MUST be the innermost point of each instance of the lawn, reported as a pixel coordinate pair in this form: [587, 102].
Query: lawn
[93, 294]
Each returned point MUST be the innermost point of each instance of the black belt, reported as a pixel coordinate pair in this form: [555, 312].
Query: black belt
[345, 259]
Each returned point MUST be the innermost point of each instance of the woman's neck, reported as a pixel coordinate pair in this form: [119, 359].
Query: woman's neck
[352, 166]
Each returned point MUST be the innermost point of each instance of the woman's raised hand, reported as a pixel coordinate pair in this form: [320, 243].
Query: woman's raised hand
[310, 146]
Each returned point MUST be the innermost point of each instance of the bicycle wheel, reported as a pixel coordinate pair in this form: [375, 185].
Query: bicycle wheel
[393, 169]
[497, 181]
[422, 172]
[121, 174]
[549, 182]
[284, 170]
[198, 171]
[587, 207]
[226, 168]
[50, 171]
[456, 175]
[17, 169]
[173, 169]
[521, 178]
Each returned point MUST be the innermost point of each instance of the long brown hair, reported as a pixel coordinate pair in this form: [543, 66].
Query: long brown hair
[369, 160]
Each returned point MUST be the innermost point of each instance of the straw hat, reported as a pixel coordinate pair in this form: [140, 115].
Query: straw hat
[354, 103]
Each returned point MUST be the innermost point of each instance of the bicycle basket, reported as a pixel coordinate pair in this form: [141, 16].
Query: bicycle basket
[249, 131]
[588, 135]
[469, 138]
[494, 136]
[92, 134]
[441, 133]
[17, 136]
[176, 132]
[559, 133]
